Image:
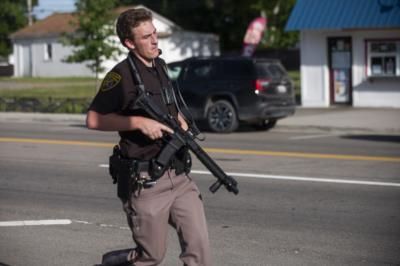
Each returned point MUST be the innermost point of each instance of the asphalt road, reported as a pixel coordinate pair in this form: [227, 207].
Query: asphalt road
[305, 198]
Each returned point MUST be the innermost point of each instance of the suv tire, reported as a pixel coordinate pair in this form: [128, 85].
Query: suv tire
[222, 117]
[266, 124]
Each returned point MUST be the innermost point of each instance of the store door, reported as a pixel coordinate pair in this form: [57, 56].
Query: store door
[339, 50]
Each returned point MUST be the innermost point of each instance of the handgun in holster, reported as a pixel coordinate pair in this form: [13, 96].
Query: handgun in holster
[122, 171]
[182, 161]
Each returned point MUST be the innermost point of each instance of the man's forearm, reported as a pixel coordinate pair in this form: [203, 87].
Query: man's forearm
[110, 122]
[115, 122]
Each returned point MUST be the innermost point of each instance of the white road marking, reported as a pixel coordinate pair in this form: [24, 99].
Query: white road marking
[101, 225]
[298, 178]
[82, 222]
[308, 179]
[57, 222]
[36, 222]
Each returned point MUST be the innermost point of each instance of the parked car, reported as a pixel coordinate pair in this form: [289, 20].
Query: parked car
[227, 91]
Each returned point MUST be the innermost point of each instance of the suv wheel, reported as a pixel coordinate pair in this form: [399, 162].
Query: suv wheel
[222, 117]
[265, 124]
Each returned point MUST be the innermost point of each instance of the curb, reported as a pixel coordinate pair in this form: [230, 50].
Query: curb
[321, 122]
[334, 130]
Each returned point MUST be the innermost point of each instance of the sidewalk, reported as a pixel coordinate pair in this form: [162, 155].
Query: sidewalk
[42, 118]
[344, 119]
[334, 119]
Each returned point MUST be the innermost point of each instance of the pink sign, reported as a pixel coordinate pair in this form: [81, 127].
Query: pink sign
[253, 35]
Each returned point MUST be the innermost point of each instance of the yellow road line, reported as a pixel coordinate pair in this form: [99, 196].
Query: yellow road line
[217, 150]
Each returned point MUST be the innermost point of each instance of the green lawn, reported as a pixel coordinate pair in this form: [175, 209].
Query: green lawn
[62, 92]
[41, 80]
[295, 75]
[48, 87]
[49, 95]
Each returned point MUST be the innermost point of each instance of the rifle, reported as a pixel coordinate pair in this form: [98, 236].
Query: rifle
[179, 139]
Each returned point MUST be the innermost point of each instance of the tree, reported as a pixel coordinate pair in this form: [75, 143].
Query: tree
[13, 14]
[278, 13]
[91, 40]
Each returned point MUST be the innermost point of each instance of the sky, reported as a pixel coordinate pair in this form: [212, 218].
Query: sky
[47, 7]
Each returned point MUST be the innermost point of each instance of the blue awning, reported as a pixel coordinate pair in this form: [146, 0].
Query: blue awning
[344, 14]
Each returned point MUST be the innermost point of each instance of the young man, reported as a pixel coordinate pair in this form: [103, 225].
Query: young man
[174, 199]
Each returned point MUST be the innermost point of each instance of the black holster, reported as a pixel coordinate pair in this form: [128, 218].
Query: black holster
[182, 161]
[123, 172]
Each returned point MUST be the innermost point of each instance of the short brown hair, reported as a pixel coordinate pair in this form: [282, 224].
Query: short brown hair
[130, 19]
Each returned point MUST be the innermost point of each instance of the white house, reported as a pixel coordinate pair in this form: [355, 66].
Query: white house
[38, 51]
[350, 52]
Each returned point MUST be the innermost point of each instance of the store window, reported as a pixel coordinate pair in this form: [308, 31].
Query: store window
[48, 52]
[383, 58]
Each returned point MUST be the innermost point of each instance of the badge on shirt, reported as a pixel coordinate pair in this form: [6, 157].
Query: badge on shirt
[110, 81]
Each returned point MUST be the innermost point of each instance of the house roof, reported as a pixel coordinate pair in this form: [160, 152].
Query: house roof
[59, 23]
[344, 14]
[53, 25]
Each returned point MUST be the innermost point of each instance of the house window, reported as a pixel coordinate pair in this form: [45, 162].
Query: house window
[383, 58]
[48, 52]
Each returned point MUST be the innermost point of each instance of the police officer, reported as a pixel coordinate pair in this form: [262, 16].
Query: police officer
[173, 199]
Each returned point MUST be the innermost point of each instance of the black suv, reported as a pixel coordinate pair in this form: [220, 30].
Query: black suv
[225, 91]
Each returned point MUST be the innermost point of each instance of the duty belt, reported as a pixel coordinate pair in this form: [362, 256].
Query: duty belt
[132, 168]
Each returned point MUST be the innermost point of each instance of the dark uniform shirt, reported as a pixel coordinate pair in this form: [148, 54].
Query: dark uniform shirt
[117, 94]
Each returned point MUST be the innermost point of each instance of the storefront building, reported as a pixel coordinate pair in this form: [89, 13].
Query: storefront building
[350, 52]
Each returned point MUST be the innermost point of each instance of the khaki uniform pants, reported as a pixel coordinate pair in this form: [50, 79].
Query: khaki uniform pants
[174, 200]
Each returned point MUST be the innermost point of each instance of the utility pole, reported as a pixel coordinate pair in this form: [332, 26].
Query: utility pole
[30, 20]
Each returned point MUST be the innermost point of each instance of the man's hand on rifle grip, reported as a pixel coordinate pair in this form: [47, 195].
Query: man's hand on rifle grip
[151, 128]
[182, 122]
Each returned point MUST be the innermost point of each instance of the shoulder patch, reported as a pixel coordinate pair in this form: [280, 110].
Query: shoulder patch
[110, 81]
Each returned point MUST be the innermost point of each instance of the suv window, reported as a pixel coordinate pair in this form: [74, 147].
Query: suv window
[174, 70]
[276, 71]
[236, 69]
[268, 70]
[200, 71]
